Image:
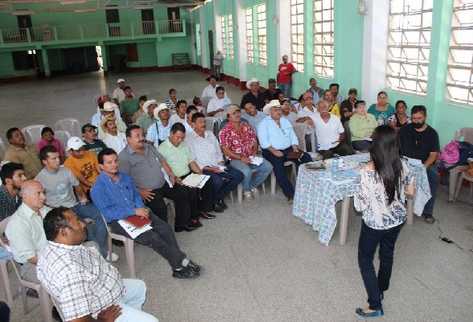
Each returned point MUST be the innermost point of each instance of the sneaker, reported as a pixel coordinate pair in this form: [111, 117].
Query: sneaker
[222, 203]
[184, 273]
[290, 201]
[207, 215]
[428, 218]
[362, 313]
[218, 208]
[193, 266]
[255, 192]
[112, 257]
[247, 195]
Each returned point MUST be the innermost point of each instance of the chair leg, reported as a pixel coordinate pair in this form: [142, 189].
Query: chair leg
[344, 220]
[273, 183]
[24, 299]
[410, 210]
[240, 193]
[459, 186]
[231, 197]
[130, 256]
[263, 186]
[6, 283]
[46, 305]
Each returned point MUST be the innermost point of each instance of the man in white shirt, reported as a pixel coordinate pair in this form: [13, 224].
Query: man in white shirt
[219, 103]
[107, 109]
[308, 110]
[180, 116]
[160, 130]
[209, 91]
[119, 94]
[208, 155]
[330, 132]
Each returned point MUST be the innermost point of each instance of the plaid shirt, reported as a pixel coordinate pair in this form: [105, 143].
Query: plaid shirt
[81, 282]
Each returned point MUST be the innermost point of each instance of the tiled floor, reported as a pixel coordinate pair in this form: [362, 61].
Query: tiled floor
[260, 263]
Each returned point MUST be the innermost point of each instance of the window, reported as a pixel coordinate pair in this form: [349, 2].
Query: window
[410, 28]
[261, 30]
[460, 58]
[324, 38]
[249, 36]
[226, 27]
[297, 34]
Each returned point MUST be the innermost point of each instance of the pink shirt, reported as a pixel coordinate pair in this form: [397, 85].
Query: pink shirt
[55, 143]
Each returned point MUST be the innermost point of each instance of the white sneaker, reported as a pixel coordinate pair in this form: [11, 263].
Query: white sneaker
[112, 257]
[247, 195]
[255, 192]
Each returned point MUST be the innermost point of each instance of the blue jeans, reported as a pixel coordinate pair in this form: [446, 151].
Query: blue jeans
[253, 175]
[433, 177]
[286, 89]
[96, 232]
[132, 302]
[224, 182]
[280, 172]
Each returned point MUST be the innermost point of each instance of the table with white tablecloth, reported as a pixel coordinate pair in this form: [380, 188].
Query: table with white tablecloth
[318, 191]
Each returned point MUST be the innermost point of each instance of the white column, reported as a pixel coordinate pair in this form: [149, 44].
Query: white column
[375, 39]
[241, 27]
[204, 43]
[284, 29]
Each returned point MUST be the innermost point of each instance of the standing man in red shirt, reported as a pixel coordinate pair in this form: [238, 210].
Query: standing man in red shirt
[285, 71]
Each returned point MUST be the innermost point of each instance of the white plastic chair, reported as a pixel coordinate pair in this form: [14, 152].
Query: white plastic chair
[44, 300]
[62, 136]
[129, 250]
[70, 125]
[32, 133]
[464, 176]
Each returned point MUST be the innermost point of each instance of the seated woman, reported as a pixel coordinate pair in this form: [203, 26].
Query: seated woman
[400, 118]
[382, 110]
[47, 138]
[362, 125]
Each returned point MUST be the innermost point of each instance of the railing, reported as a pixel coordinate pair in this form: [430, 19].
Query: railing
[92, 31]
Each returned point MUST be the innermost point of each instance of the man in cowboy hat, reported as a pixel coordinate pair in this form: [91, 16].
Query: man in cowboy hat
[254, 95]
[147, 118]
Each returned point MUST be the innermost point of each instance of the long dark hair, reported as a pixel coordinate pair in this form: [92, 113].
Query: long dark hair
[385, 154]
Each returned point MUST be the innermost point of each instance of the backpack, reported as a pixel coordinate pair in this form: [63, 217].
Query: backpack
[450, 154]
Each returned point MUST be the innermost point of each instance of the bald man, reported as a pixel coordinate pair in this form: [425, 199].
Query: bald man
[25, 230]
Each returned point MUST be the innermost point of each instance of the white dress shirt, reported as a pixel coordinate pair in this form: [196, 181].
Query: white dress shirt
[218, 103]
[117, 142]
[206, 150]
[328, 133]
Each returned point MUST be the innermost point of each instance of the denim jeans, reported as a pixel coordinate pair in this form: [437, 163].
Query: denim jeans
[253, 175]
[224, 182]
[286, 89]
[132, 302]
[433, 177]
[369, 240]
[96, 232]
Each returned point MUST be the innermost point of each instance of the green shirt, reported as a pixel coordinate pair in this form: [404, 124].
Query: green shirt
[362, 127]
[129, 106]
[145, 121]
[178, 157]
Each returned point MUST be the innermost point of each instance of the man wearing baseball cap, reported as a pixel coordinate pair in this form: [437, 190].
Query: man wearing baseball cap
[92, 143]
[147, 118]
[119, 93]
[82, 163]
[254, 95]
[159, 131]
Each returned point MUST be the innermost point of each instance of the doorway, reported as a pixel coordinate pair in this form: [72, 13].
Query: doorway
[147, 22]
[24, 25]
[113, 21]
[174, 18]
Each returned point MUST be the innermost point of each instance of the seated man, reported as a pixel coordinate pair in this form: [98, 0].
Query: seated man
[308, 110]
[129, 105]
[172, 101]
[25, 231]
[278, 139]
[13, 176]
[84, 286]
[239, 144]
[89, 135]
[117, 198]
[182, 164]
[218, 103]
[333, 106]
[288, 111]
[159, 131]
[252, 115]
[145, 165]
[180, 116]
[59, 185]
[209, 91]
[362, 125]
[191, 110]
[208, 155]
[330, 133]
[107, 108]
[420, 141]
[82, 163]
[19, 152]
[147, 118]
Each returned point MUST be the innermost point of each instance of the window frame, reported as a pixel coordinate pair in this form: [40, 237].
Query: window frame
[297, 56]
[324, 69]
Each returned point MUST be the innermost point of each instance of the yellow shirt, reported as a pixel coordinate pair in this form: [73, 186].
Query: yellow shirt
[27, 156]
[87, 167]
[335, 110]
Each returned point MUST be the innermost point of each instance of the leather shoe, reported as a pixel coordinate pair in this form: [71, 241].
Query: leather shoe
[184, 273]
[195, 223]
[218, 207]
[184, 228]
[206, 215]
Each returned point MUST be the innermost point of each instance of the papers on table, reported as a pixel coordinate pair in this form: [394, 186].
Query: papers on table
[195, 180]
[132, 230]
[255, 160]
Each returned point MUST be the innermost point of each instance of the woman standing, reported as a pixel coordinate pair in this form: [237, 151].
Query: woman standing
[385, 182]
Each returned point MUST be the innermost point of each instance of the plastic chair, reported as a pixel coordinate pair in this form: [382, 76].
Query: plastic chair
[44, 300]
[32, 133]
[454, 174]
[464, 176]
[129, 250]
[5, 280]
[62, 136]
[212, 124]
[70, 125]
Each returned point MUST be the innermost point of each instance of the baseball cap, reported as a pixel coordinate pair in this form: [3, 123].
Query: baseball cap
[88, 126]
[75, 143]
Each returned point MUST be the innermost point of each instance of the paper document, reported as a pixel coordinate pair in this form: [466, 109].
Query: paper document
[256, 160]
[166, 177]
[132, 230]
[195, 180]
